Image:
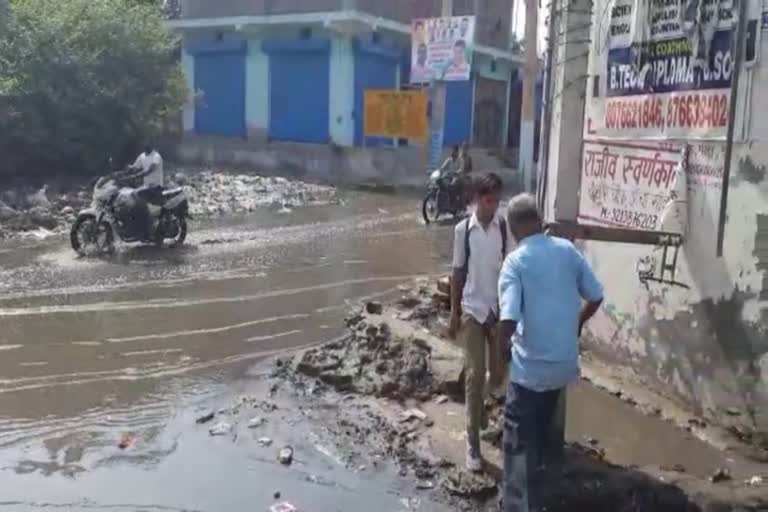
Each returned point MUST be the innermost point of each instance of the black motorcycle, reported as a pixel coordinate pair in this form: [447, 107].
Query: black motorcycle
[117, 210]
[444, 195]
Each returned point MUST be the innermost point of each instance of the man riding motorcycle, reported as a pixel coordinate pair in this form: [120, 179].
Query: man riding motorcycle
[148, 167]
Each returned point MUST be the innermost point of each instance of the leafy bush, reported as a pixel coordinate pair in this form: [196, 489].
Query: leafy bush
[82, 81]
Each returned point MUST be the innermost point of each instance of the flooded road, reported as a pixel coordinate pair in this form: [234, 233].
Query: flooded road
[141, 343]
[91, 349]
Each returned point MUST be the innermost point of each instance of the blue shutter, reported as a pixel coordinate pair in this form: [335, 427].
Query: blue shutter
[220, 78]
[299, 90]
[375, 68]
[458, 113]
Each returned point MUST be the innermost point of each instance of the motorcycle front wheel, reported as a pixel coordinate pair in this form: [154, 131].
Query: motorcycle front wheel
[88, 238]
[430, 207]
[174, 224]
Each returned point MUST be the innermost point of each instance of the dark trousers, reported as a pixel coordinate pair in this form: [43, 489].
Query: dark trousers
[527, 425]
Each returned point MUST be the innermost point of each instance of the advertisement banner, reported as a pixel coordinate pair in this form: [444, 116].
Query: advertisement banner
[661, 69]
[627, 185]
[395, 114]
[441, 48]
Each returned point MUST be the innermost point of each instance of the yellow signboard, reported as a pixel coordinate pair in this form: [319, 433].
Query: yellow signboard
[396, 114]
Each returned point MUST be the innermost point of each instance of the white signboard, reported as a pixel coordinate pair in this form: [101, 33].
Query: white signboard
[627, 185]
[441, 48]
[660, 69]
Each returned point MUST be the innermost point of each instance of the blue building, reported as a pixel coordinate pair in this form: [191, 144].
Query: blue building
[297, 71]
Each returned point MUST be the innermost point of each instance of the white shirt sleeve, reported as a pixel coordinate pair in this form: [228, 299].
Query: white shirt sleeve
[459, 256]
[139, 161]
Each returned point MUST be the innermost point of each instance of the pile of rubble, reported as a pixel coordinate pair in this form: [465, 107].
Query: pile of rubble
[39, 213]
[371, 361]
[214, 193]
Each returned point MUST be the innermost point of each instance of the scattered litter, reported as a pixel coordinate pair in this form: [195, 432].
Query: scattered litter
[732, 411]
[205, 419]
[425, 485]
[126, 441]
[592, 441]
[412, 414]
[283, 507]
[220, 429]
[286, 456]
[429, 423]
[264, 441]
[256, 422]
[721, 475]
[756, 480]
[223, 411]
[267, 406]
[441, 399]
[277, 495]
[361, 469]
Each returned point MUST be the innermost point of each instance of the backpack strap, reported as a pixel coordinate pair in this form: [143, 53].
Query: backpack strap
[503, 227]
[466, 246]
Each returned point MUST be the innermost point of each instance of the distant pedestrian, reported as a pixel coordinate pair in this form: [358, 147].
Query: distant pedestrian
[479, 246]
[541, 289]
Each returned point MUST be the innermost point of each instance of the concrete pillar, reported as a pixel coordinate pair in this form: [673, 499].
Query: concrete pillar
[256, 91]
[569, 89]
[528, 111]
[188, 66]
[342, 86]
[438, 98]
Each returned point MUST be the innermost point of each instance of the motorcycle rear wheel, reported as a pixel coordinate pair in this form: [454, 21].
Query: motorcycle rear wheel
[430, 207]
[181, 234]
[88, 239]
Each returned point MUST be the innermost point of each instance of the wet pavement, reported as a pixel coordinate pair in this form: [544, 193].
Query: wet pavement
[143, 342]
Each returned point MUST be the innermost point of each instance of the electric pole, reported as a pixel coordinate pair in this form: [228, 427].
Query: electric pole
[437, 119]
[528, 109]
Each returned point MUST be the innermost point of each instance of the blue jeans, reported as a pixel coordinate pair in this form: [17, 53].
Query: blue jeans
[527, 418]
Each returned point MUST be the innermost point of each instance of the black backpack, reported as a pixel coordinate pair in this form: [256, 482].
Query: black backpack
[502, 226]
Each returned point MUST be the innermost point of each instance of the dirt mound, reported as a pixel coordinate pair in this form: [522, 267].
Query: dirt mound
[370, 361]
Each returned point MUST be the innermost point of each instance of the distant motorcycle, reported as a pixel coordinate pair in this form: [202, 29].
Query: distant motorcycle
[114, 212]
[445, 194]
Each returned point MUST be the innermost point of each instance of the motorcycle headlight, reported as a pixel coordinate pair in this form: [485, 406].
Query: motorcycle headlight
[435, 175]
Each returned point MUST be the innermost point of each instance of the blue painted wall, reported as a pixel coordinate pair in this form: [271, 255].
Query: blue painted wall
[299, 88]
[375, 68]
[219, 76]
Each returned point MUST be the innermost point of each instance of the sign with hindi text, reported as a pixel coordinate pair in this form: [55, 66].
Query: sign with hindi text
[396, 114]
[627, 185]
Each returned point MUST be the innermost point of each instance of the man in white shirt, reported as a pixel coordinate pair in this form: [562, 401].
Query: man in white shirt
[150, 165]
[480, 245]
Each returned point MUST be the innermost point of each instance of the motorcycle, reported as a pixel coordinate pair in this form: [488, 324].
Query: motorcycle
[445, 194]
[116, 199]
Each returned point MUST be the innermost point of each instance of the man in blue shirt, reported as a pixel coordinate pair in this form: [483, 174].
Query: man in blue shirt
[547, 292]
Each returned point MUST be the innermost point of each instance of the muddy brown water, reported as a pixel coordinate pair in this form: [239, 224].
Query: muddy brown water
[143, 342]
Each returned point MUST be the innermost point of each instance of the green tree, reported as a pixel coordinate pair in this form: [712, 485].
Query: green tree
[82, 81]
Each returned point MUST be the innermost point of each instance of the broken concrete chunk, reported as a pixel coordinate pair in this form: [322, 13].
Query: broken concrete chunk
[220, 429]
[374, 308]
[256, 422]
[285, 456]
[283, 507]
[412, 414]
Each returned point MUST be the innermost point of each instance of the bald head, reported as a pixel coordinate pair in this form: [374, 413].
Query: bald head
[523, 216]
